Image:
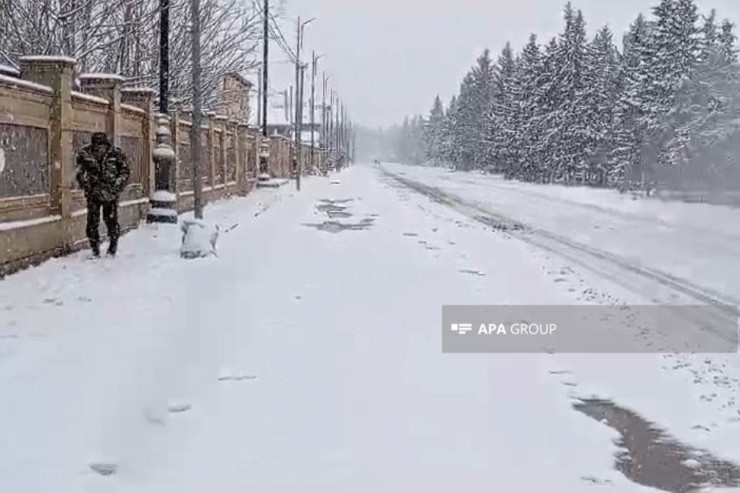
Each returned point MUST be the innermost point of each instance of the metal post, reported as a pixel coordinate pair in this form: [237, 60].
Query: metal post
[163, 202]
[259, 95]
[294, 156]
[164, 54]
[264, 154]
[313, 107]
[300, 129]
[195, 130]
[265, 58]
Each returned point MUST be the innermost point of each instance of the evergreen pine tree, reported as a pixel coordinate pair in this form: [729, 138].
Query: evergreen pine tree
[570, 131]
[503, 122]
[434, 133]
[473, 114]
[599, 98]
[529, 90]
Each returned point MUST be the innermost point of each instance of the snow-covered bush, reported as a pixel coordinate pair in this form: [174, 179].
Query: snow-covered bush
[198, 239]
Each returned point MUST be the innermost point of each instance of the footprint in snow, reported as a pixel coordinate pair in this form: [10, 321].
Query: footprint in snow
[104, 468]
[178, 407]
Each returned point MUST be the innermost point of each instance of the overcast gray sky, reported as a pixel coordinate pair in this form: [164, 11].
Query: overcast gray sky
[390, 57]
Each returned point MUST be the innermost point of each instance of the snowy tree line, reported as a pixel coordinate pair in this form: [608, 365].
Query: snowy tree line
[664, 107]
[122, 37]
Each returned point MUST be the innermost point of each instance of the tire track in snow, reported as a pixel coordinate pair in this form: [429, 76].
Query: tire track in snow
[626, 273]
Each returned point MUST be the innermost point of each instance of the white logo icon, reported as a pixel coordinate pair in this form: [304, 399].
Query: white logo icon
[462, 329]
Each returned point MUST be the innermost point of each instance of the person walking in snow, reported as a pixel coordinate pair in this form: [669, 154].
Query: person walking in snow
[102, 172]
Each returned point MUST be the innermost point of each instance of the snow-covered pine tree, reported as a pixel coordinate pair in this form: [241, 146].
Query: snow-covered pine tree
[677, 43]
[504, 115]
[634, 104]
[434, 133]
[473, 114]
[727, 40]
[599, 97]
[570, 130]
[529, 89]
[709, 39]
[706, 115]
[449, 134]
[546, 147]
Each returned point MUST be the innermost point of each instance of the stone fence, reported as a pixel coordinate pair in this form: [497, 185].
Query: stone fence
[45, 119]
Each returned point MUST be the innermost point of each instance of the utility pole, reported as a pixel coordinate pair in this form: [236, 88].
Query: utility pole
[285, 106]
[195, 130]
[324, 118]
[164, 55]
[300, 128]
[297, 97]
[315, 59]
[264, 151]
[259, 95]
[330, 117]
[336, 130]
[265, 53]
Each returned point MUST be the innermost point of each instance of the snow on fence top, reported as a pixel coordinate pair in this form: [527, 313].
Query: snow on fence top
[89, 98]
[12, 81]
[94, 76]
[46, 58]
[133, 109]
[138, 89]
[8, 70]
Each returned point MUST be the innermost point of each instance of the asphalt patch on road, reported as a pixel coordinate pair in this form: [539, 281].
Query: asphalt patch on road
[653, 458]
[334, 208]
[499, 224]
[338, 227]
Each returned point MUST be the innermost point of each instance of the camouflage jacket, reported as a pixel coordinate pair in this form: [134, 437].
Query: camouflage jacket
[102, 180]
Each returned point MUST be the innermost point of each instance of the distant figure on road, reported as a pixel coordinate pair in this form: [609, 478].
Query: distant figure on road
[102, 173]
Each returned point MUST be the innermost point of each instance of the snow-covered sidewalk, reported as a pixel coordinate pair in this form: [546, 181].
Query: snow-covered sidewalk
[309, 355]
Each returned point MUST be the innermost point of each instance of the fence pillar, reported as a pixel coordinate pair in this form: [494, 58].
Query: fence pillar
[243, 158]
[144, 98]
[106, 86]
[220, 122]
[175, 132]
[209, 148]
[57, 73]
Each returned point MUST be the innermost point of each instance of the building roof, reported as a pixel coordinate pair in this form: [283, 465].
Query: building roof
[277, 114]
[240, 78]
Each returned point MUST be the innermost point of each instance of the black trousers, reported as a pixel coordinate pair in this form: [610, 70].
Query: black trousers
[110, 218]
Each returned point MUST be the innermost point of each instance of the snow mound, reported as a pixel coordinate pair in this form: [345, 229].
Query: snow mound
[198, 239]
[164, 196]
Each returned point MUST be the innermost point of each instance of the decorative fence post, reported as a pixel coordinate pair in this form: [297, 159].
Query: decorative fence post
[163, 201]
[106, 86]
[143, 97]
[57, 72]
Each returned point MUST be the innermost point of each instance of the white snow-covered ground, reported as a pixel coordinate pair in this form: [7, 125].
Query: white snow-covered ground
[309, 359]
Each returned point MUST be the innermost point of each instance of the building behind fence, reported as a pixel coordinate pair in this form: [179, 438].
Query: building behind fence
[45, 120]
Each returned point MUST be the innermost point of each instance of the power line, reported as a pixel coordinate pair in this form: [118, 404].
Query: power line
[276, 34]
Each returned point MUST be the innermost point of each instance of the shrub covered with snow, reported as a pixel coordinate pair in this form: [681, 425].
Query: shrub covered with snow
[198, 239]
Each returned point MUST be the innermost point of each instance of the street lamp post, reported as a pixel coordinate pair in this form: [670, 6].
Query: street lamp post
[264, 153]
[299, 96]
[324, 119]
[313, 105]
[163, 201]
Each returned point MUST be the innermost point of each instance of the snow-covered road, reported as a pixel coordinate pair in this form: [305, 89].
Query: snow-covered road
[310, 355]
